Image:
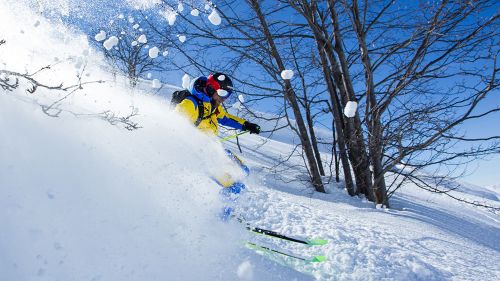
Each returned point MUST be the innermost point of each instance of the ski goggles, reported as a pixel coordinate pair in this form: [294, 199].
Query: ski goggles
[224, 93]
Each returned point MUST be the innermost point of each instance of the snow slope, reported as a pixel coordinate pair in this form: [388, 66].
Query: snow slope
[83, 199]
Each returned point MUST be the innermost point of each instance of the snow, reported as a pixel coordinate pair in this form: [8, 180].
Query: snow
[245, 271]
[153, 52]
[170, 15]
[214, 18]
[182, 38]
[241, 98]
[195, 12]
[136, 26]
[350, 109]
[142, 39]
[287, 74]
[423, 237]
[134, 43]
[83, 199]
[180, 7]
[186, 81]
[143, 4]
[110, 42]
[165, 53]
[100, 36]
[156, 84]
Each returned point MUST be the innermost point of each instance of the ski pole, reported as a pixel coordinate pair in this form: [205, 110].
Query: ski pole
[233, 136]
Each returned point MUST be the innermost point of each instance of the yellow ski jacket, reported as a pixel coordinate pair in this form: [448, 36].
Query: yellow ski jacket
[211, 117]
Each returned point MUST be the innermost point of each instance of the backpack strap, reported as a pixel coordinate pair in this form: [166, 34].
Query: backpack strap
[201, 110]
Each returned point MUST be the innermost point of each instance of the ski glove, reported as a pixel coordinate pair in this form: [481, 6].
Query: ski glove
[251, 127]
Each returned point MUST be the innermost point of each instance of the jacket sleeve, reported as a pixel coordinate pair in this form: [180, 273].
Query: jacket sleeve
[188, 109]
[229, 120]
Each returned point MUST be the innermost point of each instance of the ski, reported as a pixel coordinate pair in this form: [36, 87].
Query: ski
[310, 242]
[268, 250]
[274, 234]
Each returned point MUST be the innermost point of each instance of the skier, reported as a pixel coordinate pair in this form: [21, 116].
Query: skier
[211, 92]
[202, 105]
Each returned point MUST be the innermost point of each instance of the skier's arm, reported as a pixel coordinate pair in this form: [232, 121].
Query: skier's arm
[230, 120]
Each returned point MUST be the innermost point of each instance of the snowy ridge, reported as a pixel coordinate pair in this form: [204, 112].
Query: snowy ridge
[83, 199]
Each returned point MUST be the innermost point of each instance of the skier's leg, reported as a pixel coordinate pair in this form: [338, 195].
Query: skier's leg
[229, 195]
[238, 161]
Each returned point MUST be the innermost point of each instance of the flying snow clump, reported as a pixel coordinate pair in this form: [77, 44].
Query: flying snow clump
[182, 38]
[100, 36]
[169, 14]
[156, 84]
[186, 80]
[142, 39]
[153, 52]
[350, 109]
[287, 74]
[134, 43]
[165, 53]
[245, 271]
[110, 42]
[195, 12]
[241, 98]
[180, 7]
[136, 26]
[214, 18]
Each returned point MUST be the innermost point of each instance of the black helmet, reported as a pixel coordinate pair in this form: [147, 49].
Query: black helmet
[219, 81]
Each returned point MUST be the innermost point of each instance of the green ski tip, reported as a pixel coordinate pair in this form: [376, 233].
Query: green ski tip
[317, 242]
[318, 259]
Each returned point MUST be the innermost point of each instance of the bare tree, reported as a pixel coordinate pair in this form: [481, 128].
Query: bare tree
[403, 55]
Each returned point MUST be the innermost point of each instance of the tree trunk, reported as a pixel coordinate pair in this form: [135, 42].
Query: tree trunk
[337, 115]
[374, 125]
[358, 151]
[337, 119]
[292, 99]
[314, 140]
[334, 146]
